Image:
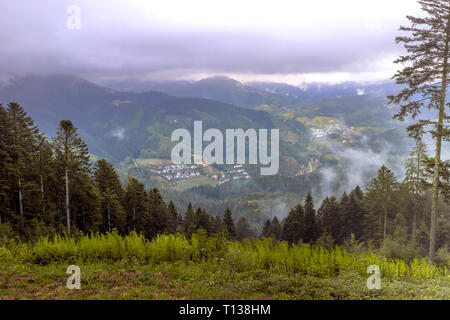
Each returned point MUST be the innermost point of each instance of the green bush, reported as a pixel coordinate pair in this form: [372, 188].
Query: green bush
[396, 249]
[6, 234]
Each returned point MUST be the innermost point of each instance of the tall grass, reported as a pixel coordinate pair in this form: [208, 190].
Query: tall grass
[239, 256]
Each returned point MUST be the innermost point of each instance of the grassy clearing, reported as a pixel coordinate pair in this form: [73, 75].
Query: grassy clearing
[153, 162]
[171, 267]
[194, 182]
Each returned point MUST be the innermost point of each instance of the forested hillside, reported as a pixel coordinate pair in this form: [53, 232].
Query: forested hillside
[52, 186]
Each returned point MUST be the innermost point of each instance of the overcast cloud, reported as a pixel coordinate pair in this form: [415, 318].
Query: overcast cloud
[290, 41]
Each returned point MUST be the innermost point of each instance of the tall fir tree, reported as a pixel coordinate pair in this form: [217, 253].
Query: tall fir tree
[72, 160]
[243, 230]
[158, 220]
[135, 205]
[329, 218]
[309, 234]
[174, 218]
[276, 228]
[112, 193]
[22, 133]
[293, 225]
[425, 77]
[382, 198]
[267, 229]
[415, 180]
[6, 164]
[190, 221]
[229, 223]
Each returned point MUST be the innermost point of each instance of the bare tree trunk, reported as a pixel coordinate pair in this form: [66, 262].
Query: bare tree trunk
[42, 194]
[109, 219]
[20, 202]
[437, 158]
[67, 203]
[134, 219]
[416, 191]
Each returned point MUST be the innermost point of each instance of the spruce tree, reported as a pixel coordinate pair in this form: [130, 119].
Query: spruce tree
[229, 223]
[382, 197]
[243, 229]
[72, 159]
[135, 204]
[6, 164]
[108, 183]
[45, 170]
[158, 219]
[352, 214]
[276, 228]
[22, 133]
[309, 234]
[190, 221]
[203, 220]
[267, 229]
[292, 225]
[415, 179]
[329, 218]
[425, 77]
[173, 218]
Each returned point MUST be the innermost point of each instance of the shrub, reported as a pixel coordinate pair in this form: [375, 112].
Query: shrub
[396, 249]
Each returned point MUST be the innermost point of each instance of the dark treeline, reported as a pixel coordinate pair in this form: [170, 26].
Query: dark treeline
[51, 186]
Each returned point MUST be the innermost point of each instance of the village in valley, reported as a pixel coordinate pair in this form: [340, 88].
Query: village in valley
[335, 127]
[178, 172]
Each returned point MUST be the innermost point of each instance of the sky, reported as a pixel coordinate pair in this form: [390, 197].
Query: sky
[291, 41]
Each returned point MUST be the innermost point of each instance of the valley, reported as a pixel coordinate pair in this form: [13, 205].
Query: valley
[320, 140]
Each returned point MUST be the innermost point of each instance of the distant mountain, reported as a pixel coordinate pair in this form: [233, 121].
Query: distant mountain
[219, 88]
[118, 124]
[254, 94]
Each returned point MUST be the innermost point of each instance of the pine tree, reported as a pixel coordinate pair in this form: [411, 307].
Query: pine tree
[112, 193]
[190, 221]
[86, 205]
[292, 225]
[229, 223]
[276, 228]
[216, 224]
[6, 164]
[173, 216]
[415, 179]
[359, 194]
[45, 169]
[267, 229]
[309, 234]
[22, 132]
[72, 158]
[426, 78]
[204, 221]
[158, 219]
[352, 214]
[135, 204]
[329, 218]
[382, 197]
[243, 229]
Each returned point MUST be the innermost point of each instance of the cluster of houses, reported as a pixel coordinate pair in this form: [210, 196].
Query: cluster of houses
[334, 128]
[173, 172]
[235, 173]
